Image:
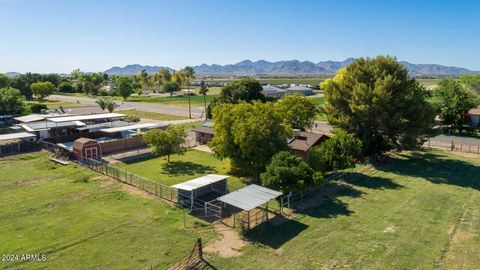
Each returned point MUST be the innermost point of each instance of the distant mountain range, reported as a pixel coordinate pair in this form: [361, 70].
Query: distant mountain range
[134, 69]
[286, 68]
[291, 67]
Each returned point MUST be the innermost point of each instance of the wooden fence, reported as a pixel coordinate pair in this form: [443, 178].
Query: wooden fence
[453, 146]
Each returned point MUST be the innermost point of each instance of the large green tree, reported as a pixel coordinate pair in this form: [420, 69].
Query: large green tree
[247, 89]
[298, 111]
[471, 82]
[249, 134]
[170, 87]
[289, 173]
[5, 81]
[42, 89]
[452, 102]
[124, 87]
[166, 143]
[11, 101]
[377, 101]
[337, 153]
[23, 82]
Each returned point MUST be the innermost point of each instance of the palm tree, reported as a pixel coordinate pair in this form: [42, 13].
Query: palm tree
[102, 102]
[111, 105]
[203, 91]
[188, 74]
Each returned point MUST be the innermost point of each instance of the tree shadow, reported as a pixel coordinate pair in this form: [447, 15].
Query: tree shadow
[436, 168]
[275, 236]
[328, 203]
[372, 182]
[186, 167]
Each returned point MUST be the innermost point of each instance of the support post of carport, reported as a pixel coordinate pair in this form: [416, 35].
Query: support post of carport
[191, 200]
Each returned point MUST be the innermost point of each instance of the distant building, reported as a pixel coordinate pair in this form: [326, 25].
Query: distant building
[204, 133]
[302, 90]
[272, 91]
[474, 117]
[304, 141]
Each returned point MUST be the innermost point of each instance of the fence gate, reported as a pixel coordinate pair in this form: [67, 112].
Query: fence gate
[213, 210]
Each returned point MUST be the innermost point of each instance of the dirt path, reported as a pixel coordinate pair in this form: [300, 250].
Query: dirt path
[229, 245]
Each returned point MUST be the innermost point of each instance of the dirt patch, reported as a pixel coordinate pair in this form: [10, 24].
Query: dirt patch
[203, 148]
[33, 181]
[390, 229]
[229, 245]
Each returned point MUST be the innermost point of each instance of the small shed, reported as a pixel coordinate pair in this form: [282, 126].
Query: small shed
[87, 148]
[188, 191]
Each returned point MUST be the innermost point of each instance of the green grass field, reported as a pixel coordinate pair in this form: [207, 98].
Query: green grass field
[80, 222]
[184, 167]
[417, 210]
[181, 101]
[152, 115]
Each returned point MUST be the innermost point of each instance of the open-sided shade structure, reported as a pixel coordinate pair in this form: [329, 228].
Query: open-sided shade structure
[189, 190]
[86, 117]
[250, 197]
[16, 136]
[133, 127]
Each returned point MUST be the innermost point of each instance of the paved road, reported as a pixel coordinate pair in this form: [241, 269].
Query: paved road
[157, 108]
[447, 139]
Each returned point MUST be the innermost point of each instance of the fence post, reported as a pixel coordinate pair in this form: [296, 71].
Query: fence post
[200, 249]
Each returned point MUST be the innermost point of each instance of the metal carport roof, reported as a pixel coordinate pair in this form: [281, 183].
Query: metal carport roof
[133, 127]
[14, 136]
[249, 197]
[200, 182]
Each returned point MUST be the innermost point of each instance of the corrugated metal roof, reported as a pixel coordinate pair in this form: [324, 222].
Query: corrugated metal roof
[38, 117]
[200, 182]
[132, 127]
[14, 136]
[249, 197]
[86, 117]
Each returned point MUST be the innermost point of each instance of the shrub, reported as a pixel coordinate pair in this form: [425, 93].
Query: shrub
[38, 107]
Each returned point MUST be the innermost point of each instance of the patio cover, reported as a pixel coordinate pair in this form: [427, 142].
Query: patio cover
[249, 197]
[200, 182]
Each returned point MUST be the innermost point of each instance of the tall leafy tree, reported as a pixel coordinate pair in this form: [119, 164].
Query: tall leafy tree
[377, 101]
[5, 81]
[23, 82]
[66, 87]
[11, 101]
[42, 89]
[247, 89]
[452, 102]
[471, 82]
[170, 87]
[203, 91]
[249, 134]
[339, 152]
[186, 75]
[166, 143]
[143, 78]
[289, 173]
[298, 111]
[124, 87]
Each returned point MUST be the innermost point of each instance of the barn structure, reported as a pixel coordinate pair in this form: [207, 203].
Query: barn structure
[188, 192]
[87, 148]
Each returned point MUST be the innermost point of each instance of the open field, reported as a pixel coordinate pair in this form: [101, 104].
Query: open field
[418, 210]
[152, 116]
[429, 83]
[83, 222]
[181, 168]
[179, 101]
[53, 104]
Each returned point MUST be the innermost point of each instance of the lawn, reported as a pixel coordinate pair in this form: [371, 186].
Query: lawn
[53, 104]
[418, 211]
[152, 115]
[184, 167]
[180, 101]
[83, 222]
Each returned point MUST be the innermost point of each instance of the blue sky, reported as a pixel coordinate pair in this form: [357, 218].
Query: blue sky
[58, 36]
